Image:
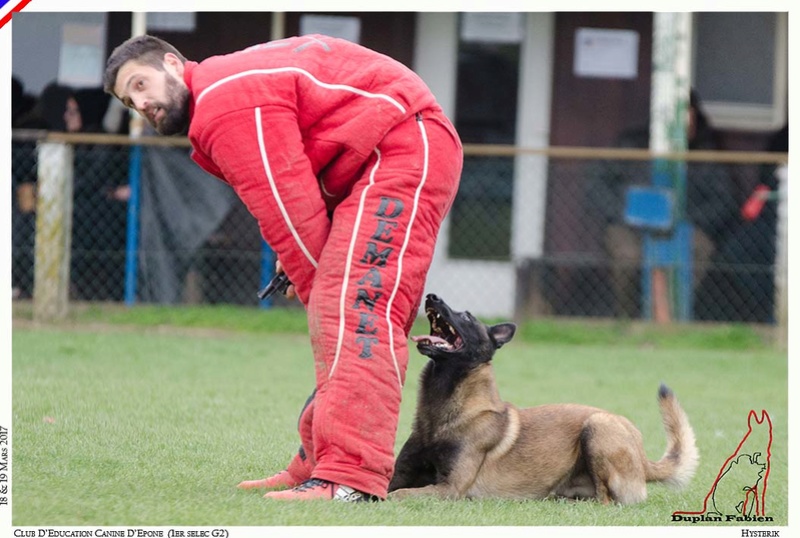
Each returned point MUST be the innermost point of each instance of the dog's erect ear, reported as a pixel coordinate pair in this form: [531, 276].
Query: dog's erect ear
[502, 333]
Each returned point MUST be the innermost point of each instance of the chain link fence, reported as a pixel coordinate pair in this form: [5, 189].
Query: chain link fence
[597, 244]
[195, 243]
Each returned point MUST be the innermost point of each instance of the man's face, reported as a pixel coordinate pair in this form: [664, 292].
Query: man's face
[161, 97]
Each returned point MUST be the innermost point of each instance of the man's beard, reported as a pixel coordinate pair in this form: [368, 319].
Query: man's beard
[176, 110]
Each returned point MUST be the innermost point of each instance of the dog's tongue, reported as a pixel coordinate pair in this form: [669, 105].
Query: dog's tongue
[429, 338]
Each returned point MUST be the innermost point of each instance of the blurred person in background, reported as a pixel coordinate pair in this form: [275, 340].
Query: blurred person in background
[100, 194]
[743, 287]
[349, 166]
[48, 113]
[21, 102]
[23, 199]
[710, 207]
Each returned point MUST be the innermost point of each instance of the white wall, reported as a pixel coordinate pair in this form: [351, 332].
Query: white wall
[436, 56]
[36, 45]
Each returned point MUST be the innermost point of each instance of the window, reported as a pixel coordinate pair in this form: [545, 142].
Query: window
[740, 68]
[486, 112]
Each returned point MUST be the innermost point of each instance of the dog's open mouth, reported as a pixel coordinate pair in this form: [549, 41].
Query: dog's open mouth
[443, 336]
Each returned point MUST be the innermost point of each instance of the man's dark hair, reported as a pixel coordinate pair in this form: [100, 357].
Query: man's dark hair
[145, 49]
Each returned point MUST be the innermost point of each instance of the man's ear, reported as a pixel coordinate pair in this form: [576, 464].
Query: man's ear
[173, 64]
[502, 333]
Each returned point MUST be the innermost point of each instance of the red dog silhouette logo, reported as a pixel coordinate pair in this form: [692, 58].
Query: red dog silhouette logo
[739, 492]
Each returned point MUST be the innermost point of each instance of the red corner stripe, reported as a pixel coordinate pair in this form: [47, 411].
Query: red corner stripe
[18, 7]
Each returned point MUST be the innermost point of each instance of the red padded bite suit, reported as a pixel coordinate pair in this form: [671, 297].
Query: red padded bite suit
[349, 166]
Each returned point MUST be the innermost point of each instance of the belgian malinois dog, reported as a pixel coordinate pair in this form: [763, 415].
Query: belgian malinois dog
[468, 443]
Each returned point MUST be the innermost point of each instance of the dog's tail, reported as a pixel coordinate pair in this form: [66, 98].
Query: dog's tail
[679, 462]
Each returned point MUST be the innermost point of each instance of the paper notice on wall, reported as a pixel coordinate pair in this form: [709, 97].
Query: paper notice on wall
[82, 55]
[601, 53]
[172, 22]
[492, 27]
[348, 28]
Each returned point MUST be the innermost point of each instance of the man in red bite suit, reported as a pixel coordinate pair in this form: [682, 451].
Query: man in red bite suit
[349, 166]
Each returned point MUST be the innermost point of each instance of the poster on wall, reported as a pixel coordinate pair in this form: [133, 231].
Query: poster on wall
[82, 55]
[604, 53]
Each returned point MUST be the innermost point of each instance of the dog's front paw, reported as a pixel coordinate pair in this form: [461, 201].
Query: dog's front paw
[441, 491]
[401, 494]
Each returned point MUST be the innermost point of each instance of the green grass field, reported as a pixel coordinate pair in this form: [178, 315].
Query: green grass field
[135, 422]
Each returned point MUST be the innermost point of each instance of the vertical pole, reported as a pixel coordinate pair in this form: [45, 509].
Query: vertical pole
[132, 227]
[278, 29]
[669, 100]
[53, 231]
[528, 209]
[136, 126]
[782, 261]
[668, 119]
[267, 270]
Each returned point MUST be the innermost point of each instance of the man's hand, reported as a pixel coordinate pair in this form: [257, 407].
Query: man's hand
[290, 293]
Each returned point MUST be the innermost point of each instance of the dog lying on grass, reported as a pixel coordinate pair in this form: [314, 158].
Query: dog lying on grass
[468, 443]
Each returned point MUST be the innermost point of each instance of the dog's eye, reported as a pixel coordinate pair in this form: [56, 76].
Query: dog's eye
[467, 316]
